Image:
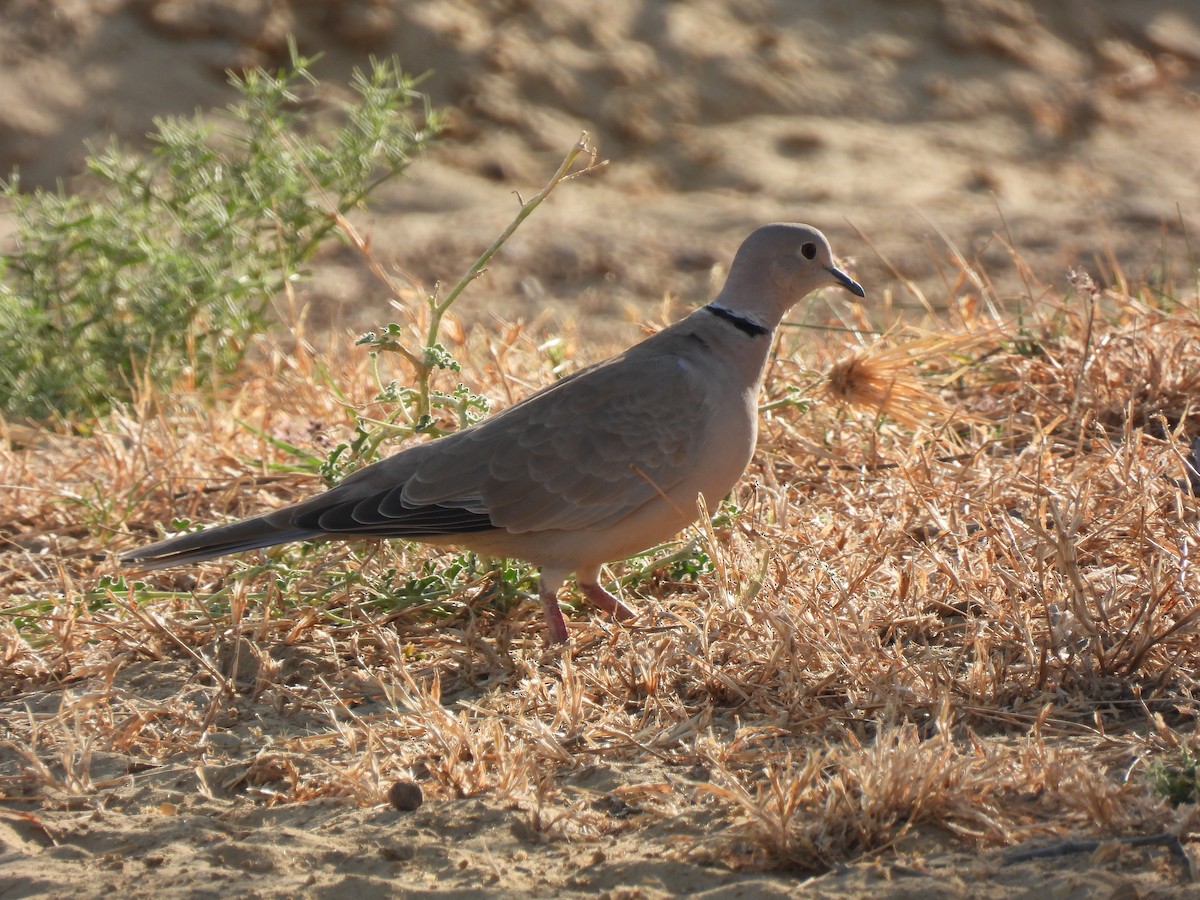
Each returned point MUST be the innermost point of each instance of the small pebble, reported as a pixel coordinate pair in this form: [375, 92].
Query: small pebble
[405, 796]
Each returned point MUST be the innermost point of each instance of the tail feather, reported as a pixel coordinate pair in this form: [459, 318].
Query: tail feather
[352, 510]
[236, 537]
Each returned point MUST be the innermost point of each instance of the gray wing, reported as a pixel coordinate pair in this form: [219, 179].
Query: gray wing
[580, 454]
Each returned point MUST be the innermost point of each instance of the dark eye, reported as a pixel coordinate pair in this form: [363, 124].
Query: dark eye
[808, 249]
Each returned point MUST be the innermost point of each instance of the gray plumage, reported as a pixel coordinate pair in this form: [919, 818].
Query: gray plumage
[598, 466]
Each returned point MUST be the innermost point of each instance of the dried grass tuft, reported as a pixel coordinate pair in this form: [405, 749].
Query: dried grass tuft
[880, 380]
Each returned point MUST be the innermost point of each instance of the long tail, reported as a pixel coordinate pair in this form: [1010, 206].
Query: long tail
[249, 534]
[368, 504]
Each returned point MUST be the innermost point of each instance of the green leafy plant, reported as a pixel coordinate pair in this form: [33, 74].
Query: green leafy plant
[164, 264]
[1177, 782]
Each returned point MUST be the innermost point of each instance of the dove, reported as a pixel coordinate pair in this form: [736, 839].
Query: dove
[596, 467]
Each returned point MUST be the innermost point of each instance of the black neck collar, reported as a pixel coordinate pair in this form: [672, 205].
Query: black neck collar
[742, 324]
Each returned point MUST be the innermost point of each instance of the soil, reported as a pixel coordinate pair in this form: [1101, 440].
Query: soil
[908, 131]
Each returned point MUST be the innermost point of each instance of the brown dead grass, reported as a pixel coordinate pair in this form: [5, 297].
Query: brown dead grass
[977, 615]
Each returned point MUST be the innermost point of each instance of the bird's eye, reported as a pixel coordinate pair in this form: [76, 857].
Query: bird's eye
[808, 249]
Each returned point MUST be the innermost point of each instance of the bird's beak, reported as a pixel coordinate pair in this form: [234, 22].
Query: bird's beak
[847, 282]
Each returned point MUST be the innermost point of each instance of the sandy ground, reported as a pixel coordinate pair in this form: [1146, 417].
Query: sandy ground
[897, 127]
[1070, 132]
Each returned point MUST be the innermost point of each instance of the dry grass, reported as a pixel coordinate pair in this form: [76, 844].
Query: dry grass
[976, 614]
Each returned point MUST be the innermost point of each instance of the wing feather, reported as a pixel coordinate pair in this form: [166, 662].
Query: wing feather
[580, 454]
[576, 458]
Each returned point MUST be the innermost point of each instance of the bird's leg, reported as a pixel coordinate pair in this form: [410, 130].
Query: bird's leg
[556, 625]
[598, 596]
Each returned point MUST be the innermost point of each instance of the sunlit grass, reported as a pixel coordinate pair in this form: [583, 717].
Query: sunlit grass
[976, 613]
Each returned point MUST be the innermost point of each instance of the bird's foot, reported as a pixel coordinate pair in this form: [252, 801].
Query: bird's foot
[601, 598]
[556, 625]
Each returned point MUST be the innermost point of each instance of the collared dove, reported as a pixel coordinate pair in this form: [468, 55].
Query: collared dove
[595, 467]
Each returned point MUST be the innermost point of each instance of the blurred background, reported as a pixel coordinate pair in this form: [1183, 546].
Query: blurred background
[903, 128]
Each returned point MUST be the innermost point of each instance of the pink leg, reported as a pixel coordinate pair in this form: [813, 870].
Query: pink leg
[556, 625]
[606, 601]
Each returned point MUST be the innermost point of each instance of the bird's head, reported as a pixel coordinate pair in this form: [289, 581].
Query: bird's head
[776, 267]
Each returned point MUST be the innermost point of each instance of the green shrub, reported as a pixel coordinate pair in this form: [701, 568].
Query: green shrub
[168, 260]
[1177, 782]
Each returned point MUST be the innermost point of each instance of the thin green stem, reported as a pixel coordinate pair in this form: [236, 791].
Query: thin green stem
[527, 207]
[438, 308]
[657, 565]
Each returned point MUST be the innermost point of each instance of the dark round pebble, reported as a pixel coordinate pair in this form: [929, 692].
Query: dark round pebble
[405, 796]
